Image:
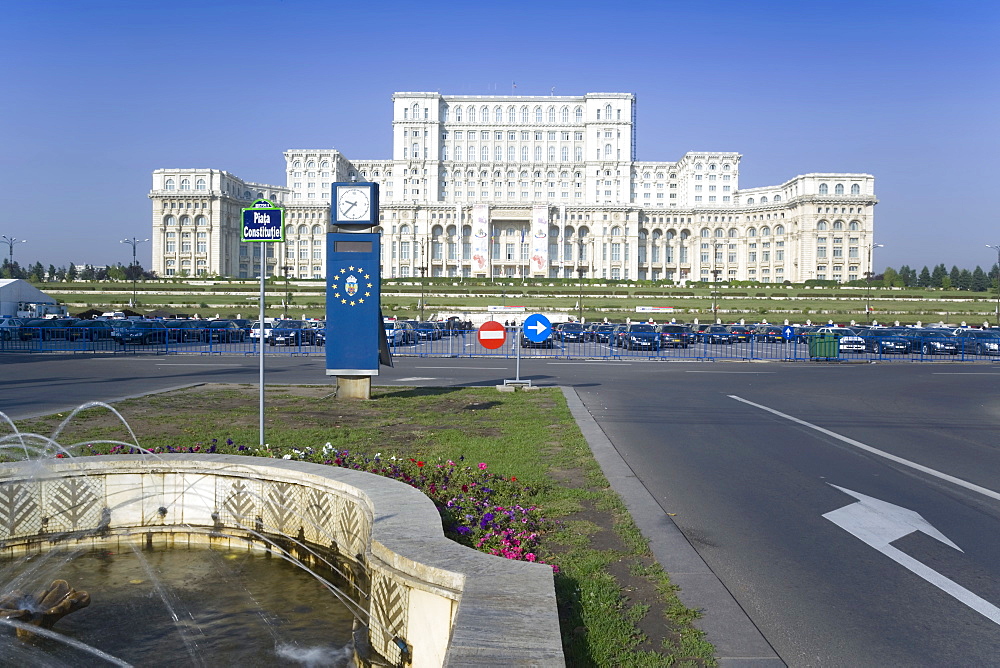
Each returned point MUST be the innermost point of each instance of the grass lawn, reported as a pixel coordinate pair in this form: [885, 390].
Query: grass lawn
[616, 605]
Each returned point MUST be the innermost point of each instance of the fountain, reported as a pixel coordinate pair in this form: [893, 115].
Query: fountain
[374, 544]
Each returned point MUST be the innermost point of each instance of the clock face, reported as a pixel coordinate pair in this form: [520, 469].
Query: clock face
[353, 203]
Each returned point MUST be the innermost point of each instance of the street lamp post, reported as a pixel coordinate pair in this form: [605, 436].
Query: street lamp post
[10, 241]
[423, 274]
[715, 278]
[133, 242]
[580, 271]
[870, 274]
[997, 249]
[288, 292]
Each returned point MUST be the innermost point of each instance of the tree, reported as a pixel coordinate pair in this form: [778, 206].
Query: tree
[890, 278]
[937, 276]
[87, 273]
[117, 272]
[61, 274]
[924, 281]
[72, 273]
[51, 273]
[964, 280]
[980, 283]
[908, 276]
[954, 275]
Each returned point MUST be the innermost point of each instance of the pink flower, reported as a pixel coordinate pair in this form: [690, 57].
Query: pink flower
[482, 466]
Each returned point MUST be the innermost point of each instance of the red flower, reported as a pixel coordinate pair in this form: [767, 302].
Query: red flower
[61, 455]
[513, 479]
[419, 463]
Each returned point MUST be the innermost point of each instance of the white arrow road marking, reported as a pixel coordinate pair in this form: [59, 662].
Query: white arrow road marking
[878, 523]
[538, 327]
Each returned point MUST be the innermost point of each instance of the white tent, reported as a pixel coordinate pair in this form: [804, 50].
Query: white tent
[15, 292]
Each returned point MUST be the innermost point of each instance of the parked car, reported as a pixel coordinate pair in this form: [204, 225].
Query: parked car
[426, 331]
[641, 336]
[931, 341]
[47, 329]
[140, 331]
[571, 331]
[803, 333]
[10, 328]
[181, 331]
[548, 342]
[602, 333]
[978, 341]
[395, 334]
[93, 330]
[291, 333]
[675, 336]
[716, 334]
[223, 331]
[741, 333]
[886, 340]
[617, 336]
[848, 340]
[769, 334]
[255, 330]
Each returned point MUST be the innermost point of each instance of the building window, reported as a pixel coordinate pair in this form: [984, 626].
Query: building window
[823, 189]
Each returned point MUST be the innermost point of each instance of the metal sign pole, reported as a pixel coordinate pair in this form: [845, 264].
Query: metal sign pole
[260, 343]
[517, 347]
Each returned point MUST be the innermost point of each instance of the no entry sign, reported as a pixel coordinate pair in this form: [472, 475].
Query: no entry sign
[491, 334]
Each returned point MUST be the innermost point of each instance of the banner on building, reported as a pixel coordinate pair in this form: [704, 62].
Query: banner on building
[540, 240]
[480, 237]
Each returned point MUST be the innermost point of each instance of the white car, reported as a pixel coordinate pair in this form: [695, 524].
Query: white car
[255, 330]
[394, 335]
[848, 340]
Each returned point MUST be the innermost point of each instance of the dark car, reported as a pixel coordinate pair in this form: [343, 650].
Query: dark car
[804, 333]
[716, 334]
[141, 331]
[978, 341]
[572, 331]
[291, 333]
[617, 336]
[641, 336]
[426, 331]
[180, 331]
[602, 333]
[886, 341]
[769, 334]
[741, 333]
[931, 341]
[223, 331]
[548, 342]
[675, 336]
[48, 329]
[93, 330]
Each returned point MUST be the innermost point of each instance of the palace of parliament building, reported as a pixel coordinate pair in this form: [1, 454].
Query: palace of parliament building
[535, 187]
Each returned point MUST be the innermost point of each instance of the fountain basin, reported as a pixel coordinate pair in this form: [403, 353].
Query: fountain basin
[430, 601]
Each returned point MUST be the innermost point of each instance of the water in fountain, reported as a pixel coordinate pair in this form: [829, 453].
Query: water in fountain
[195, 606]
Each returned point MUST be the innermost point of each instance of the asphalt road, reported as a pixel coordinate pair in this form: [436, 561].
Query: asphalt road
[754, 461]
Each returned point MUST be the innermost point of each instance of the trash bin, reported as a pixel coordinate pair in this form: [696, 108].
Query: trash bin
[823, 346]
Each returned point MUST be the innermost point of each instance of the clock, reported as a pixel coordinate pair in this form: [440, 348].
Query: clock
[354, 203]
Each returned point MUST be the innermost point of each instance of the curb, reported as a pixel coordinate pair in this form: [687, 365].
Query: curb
[738, 642]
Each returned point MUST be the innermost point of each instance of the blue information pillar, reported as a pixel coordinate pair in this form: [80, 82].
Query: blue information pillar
[353, 305]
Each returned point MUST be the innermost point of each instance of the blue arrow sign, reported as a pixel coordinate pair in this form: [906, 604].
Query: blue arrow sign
[788, 332]
[537, 328]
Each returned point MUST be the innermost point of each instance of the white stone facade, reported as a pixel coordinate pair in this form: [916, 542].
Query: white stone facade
[540, 187]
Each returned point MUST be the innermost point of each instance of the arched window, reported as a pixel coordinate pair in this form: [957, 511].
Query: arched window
[552, 114]
[699, 166]
[779, 230]
[451, 230]
[498, 153]
[200, 221]
[821, 226]
[185, 220]
[498, 114]
[855, 189]
[199, 184]
[838, 225]
[168, 184]
[458, 114]
[777, 198]
[578, 114]
[607, 112]
[719, 233]
[416, 151]
[466, 230]
[444, 152]
[568, 233]
[538, 114]
[404, 229]
[564, 156]
[511, 115]
[732, 233]
[485, 153]
[458, 154]
[765, 231]
[584, 232]
[725, 167]
[484, 114]
[616, 231]
[763, 199]
[854, 226]
[416, 111]
[538, 154]
[552, 153]
[511, 153]
[169, 220]
[564, 113]
[749, 201]
[823, 189]
[705, 233]
[303, 230]
[437, 231]
[317, 229]
[607, 151]
[751, 232]
[524, 154]
[553, 231]
[524, 114]
[311, 164]
[838, 189]
[297, 164]
[185, 184]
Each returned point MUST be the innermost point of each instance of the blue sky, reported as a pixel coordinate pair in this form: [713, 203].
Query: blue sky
[99, 94]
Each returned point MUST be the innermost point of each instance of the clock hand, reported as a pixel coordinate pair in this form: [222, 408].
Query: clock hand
[352, 205]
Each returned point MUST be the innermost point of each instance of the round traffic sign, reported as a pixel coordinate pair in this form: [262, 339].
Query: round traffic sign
[491, 334]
